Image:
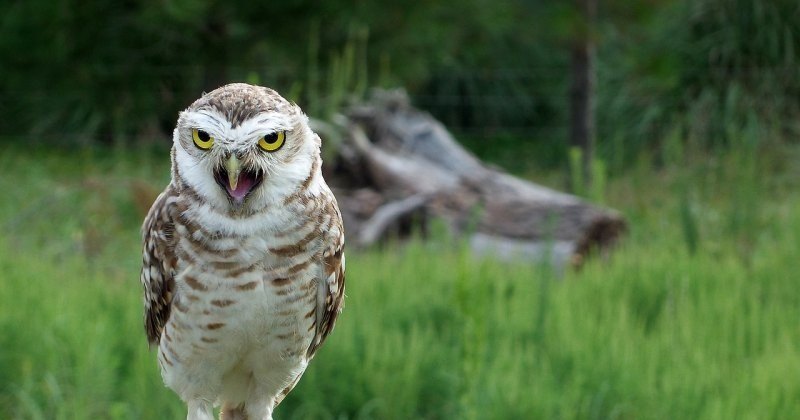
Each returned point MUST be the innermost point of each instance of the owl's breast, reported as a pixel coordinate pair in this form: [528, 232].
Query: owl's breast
[255, 293]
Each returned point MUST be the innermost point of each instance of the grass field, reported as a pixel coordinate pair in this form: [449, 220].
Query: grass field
[696, 315]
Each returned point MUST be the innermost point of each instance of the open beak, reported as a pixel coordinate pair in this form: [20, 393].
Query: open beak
[234, 168]
[236, 179]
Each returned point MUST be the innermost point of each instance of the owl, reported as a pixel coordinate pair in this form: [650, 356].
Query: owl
[243, 264]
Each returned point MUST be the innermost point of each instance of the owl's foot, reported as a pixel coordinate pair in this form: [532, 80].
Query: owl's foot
[199, 410]
[230, 412]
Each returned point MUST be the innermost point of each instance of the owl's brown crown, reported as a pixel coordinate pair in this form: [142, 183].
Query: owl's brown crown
[240, 102]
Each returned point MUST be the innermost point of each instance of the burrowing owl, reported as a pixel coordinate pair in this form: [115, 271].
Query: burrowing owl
[243, 270]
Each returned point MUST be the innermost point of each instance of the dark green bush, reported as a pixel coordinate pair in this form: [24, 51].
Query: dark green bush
[705, 72]
[496, 73]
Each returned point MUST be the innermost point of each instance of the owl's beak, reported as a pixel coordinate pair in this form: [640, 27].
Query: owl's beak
[234, 168]
[236, 179]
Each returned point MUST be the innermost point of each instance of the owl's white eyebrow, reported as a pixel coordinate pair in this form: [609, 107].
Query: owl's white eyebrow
[258, 132]
[280, 121]
[205, 121]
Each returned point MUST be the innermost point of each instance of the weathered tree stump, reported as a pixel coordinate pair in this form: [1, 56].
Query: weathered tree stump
[396, 166]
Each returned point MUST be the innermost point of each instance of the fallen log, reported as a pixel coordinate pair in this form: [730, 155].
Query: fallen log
[396, 166]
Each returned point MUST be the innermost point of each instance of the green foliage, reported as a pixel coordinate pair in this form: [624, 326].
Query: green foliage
[708, 69]
[689, 224]
[494, 73]
[592, 187]
[428, 330]
[106, 71]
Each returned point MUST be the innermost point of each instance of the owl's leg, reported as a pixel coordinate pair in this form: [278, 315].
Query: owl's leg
[233, 412]
[199, 410]
[259, 409]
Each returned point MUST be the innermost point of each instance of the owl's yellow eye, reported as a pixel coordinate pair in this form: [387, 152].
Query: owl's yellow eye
[202, 139]
[273, 141]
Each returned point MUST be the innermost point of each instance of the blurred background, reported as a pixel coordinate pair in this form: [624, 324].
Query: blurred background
[680, 114]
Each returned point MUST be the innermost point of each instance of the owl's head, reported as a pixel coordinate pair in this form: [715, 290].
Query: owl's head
[242, 147]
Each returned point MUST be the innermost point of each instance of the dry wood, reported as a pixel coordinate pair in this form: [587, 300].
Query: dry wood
[396, 165]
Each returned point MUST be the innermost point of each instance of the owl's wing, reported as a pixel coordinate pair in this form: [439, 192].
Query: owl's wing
[330, 291]
[158, 263]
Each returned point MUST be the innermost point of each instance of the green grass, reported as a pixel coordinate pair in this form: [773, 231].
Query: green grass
[680, 322]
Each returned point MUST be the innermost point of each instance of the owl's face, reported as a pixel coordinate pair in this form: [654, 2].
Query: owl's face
[243, 147]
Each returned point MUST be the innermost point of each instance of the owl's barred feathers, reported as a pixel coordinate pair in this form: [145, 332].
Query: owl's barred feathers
[240, 294]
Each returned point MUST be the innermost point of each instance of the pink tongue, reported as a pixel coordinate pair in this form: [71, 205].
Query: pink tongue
[242, 188]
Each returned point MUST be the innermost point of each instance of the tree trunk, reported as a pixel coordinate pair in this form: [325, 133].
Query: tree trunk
[398, 168]
[582, 91]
